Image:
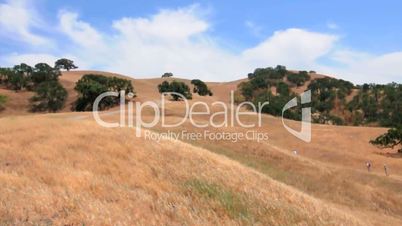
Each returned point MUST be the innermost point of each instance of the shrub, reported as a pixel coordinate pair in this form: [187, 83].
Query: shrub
[3, 100]
[50, 96]
[298, 78]
[177, 87]
[164, 87]
[201, 88]
[282, 89]
[44, 73]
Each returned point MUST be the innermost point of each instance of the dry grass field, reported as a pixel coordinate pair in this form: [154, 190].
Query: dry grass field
[65, 169]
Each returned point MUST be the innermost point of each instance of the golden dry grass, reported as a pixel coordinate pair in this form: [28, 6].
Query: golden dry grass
[56, 170]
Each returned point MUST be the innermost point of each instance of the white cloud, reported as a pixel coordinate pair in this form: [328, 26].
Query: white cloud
[180, 41]
[361, 67]
[167, 25]
[16, 21]
[80, 32]
[295, 48]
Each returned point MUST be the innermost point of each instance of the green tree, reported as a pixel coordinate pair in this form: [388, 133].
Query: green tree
[283, 89]
[164, 87]
[44, 73]
[17, 80]
[65, 64]
[90, 86]
[391, 139]
[50, 96]
[298, 78]
[167, 75]
[182, 88]
[201, 88]
[177, 87]
[3, 100]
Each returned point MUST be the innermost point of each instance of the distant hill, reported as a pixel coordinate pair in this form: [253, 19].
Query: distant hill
[334, 101]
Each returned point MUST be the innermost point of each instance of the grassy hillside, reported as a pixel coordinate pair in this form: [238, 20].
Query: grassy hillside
[63, 168]
[59, 170]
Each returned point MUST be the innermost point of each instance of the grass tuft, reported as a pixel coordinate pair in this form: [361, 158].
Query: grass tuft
[234, 205]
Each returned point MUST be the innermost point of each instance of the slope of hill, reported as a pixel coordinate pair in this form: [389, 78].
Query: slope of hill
[58, 170]
[63, 168]
[18, 103]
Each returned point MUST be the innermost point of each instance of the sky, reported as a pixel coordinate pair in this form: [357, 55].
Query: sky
[360, 41]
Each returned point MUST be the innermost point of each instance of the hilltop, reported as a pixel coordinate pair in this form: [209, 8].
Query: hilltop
[146, 89]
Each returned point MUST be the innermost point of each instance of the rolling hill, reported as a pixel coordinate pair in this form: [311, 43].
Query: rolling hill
[146, 88]
[65, 169]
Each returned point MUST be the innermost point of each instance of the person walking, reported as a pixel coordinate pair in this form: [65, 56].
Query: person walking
[386, 170]
[368, 165]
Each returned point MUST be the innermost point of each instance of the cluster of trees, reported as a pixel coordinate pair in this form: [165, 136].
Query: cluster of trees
[264, 77]
[380, 104]
[298, 78]
[324, 93]
[43, 79]
[90, 86]
[177, 87]
[201, 88]
[373, 104]
[258, 90]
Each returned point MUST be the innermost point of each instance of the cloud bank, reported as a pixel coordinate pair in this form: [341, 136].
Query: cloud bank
[180, 41]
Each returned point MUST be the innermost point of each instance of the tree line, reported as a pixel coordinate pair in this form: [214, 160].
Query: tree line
[50, 95]
[182, 88]
[372, 104]
[42, 79]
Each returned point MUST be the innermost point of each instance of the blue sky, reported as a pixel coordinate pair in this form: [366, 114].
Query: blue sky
[213, 40]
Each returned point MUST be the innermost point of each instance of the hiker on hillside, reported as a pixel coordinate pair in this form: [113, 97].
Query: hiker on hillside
[368, 164]
[386, 170]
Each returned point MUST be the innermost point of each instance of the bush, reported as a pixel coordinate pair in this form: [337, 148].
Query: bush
[177, 87]
[50, 96]
[282, 89]
[324, 91]
[44, 73]
[164, 87]
[167, 75]
[276, 104]
[3, 100]
[298, 78]
[201, 88]
[90, 86]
